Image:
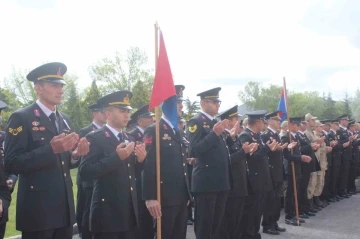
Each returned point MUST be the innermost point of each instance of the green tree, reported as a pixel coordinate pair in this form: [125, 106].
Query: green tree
[347, 101]
[355, 105]
[90, 96]
[141, 94]
[192, 108]
[71, 105]
[256, 96]
[18, 85]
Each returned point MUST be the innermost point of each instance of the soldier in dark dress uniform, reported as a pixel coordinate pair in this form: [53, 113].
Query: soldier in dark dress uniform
[306, 208]
[292, 155]
[85, 188]
[351, 187]
[211, 172]
[38, 143]
[7, 183]
[259, 174]
[325, 196]
[335, 161]
[142, 118]
[346, 155]
[231, 225]
[175, 188]
[111, 163]
[273, 197]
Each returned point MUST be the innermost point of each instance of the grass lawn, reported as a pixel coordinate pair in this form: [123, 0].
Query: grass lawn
[10, 226]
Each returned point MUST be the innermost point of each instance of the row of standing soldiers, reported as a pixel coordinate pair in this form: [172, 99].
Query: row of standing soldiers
[235, 172]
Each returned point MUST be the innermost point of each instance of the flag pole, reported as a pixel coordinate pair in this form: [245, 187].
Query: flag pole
[292, 163]
[157, 133]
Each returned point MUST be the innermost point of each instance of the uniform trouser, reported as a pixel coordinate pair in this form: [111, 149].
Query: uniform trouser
[146, 229]
[272, 207]
[209, 212]
[320, 181]
[343, 175]
[334, 175]
[174, 221]
[304, 204]
[80, 201]
[326, 191]
[87, 195]
[312, 185]
[115, 235]
[352, 176]
[2, 230]
[290, 210]
[234, 209]
[59, 233]
[251, 220]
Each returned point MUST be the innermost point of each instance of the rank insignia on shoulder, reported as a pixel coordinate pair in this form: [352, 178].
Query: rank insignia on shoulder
[107, 134]
[35, 123]
[148, 140]
[193, 128]
[15, 131]
[166, 137]
[37, 112]
[35, 128]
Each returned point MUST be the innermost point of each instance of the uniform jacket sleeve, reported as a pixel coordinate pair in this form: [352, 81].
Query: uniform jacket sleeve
[199, 141]
[18, 159]
[149, 173]
[96, 164]
[288, 155]
[246, 138]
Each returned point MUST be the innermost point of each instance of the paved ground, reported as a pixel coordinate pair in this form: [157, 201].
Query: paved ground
[340, 220]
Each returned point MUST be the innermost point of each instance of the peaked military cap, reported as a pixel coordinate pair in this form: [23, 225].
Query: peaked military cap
[233, 111]
[257, 115]
[50, 72]
[120, 99]
[351, 122]
[143, 111]
[296, 120]
[326, 121]
[3, 105]
[95, 107]
[212, 94]
[179, 91]
[273, 115]
[343, 117]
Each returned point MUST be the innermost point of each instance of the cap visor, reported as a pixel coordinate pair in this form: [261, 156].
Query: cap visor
[61, 82]
[124, 107]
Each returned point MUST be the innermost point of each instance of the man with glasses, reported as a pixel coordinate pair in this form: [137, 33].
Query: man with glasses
[211, 172]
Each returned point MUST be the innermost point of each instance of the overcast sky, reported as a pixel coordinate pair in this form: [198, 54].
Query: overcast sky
[315, 44]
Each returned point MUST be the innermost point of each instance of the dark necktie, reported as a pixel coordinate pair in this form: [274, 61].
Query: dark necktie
[53, 121]
[214, 121]
[120, 136]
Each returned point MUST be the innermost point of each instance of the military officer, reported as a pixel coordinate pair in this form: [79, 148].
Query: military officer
[111, 163]
[335, 161]
[175, 188]
[231, 225]
[273, 197]
[351, 188]
[38, 143]
[330, 143]
[211, 172]
[346, 155]
[259, 174]
[85, 188]
[142, 118]
[306, 208]
[293, 155]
